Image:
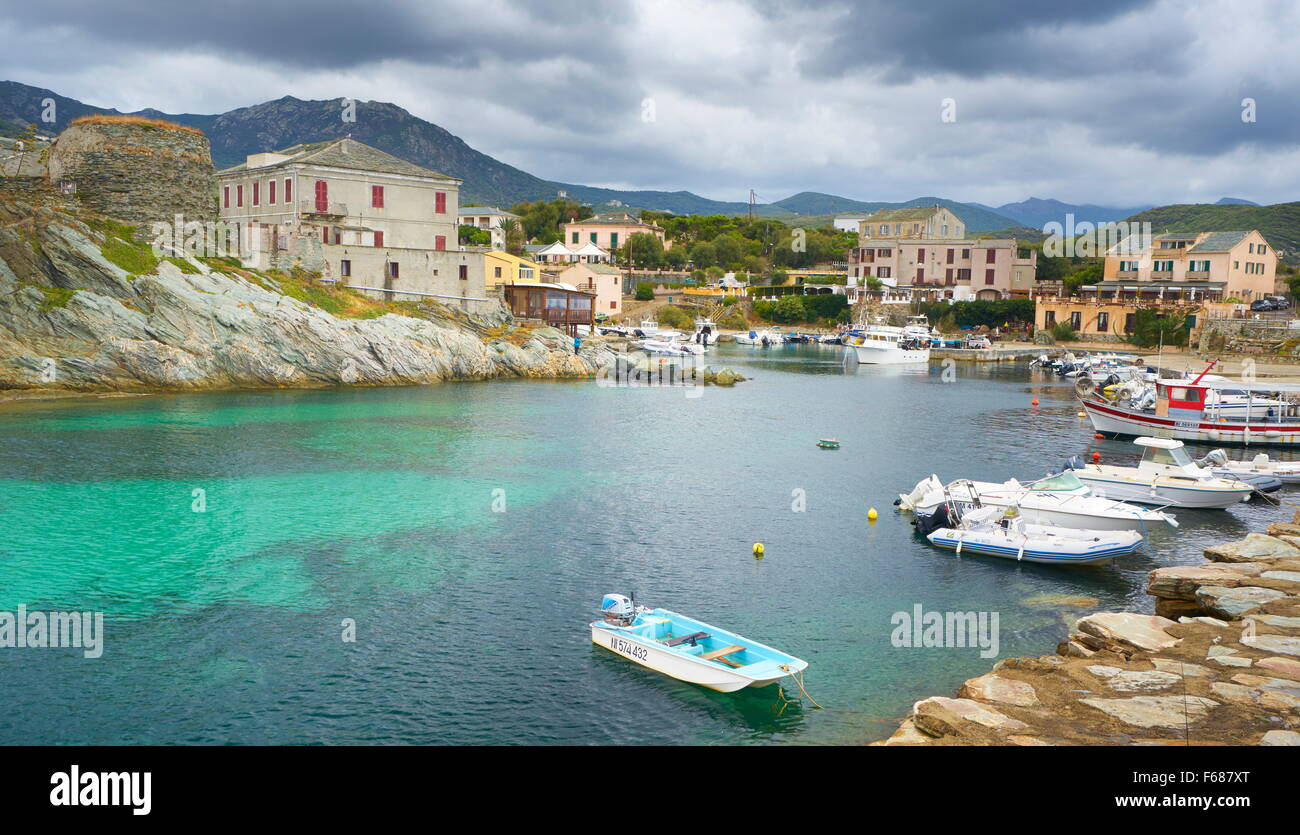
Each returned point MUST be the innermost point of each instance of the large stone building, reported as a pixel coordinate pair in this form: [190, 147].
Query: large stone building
[141, 171]
[362, 217]
[926, 253]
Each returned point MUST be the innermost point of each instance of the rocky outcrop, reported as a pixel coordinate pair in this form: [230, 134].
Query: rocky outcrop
[1224, 670]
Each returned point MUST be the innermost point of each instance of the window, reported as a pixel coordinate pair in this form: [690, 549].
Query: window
[1198, 266]
[1076, 320]
[496, 272]
[613, 305]
[613, 240]
[990, 256]
[884, 229]
[379, 238]
[945, 230]
[1103, 322]
[947, 276]
[270, 192]
[288, 190]
[920, 255]
[464, 272]
[951, 253]
[988, 275]
[574, 238]
[1130, 322]
[440, 242]
[1250, 248]
[965, 255]
[883, 272]
[1049, 318]
[345, 268]
[885, 253]
[239, 195]
[225, 196]
[322, 196]
[257, 193]
[963, 274]
[1162, 266]
[593, 237]
[393, 269]
[440, 202]
[376, 197]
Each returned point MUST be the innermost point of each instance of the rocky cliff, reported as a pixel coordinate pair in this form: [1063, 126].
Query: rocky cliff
[84, 308]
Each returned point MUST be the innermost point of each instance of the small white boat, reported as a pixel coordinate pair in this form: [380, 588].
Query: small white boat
[1166, 476]
[1060, 499]
[667, 348]
[706, 332]
[770, 336]
[1261, 472]
[886, 345]
[1001, 532]
[688, 649]
[650, 329]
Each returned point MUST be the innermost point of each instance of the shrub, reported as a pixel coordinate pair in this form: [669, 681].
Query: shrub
[1064, 332]
[645, 292]
[733, 320]
[675, 317]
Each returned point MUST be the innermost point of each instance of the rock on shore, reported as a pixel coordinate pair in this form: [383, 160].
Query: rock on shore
[1218, 663]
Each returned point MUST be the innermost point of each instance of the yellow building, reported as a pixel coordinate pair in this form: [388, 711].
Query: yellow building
[500, 267]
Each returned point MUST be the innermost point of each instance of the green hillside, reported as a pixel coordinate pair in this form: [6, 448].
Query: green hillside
[1279, 223]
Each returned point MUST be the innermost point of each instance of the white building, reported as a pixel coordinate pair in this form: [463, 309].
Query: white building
[486, 217]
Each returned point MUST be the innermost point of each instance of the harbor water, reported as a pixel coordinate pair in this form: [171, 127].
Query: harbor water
[465, 533]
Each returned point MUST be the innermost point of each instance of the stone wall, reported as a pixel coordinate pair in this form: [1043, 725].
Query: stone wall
[138, 172]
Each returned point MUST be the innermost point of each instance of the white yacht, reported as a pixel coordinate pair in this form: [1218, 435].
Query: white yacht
[771, 336]
[706, 332]
[886, 345]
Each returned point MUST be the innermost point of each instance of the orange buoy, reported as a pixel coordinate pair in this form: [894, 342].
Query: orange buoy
[1034, 402]
[1099, 436]
[1096, 456]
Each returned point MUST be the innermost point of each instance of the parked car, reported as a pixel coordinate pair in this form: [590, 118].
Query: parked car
[1262, 306]
[1279, 302]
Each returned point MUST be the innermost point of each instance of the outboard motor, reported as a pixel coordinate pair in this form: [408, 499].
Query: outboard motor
[1214, 458]
[926, 525]
[1074, 462]
[617, 609]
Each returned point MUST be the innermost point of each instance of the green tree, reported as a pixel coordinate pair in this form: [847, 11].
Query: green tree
[703, 255]
[645, 292]
[645, 250]
[474, 236]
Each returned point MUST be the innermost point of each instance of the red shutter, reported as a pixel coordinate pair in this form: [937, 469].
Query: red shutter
[988, 275]
[239, 195]
[440, 242]
[322, 196]
[990, 256]
[377, 197]
[225, 196]
[440, 202]
[270, 192]
[257, 194]
[379, 238]
[950, 254]
[920, 255]
[288, 190]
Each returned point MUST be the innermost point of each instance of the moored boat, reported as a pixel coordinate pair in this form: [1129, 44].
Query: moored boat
[886, 345]
[828, 443]
[688, 649]
[1001, 532]
[1166, 476]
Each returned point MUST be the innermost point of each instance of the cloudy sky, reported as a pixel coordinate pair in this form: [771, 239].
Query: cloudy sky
[1114, 102]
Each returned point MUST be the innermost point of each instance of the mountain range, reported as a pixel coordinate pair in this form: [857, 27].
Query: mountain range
[487, 181]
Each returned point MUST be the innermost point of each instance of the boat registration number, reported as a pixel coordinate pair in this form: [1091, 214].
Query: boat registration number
[1186, 424]
[628, 648]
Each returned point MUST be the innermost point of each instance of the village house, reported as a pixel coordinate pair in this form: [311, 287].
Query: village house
[359, 216]
[500, 267]
[608, 283]
[609, 230]
[488, 218]
[1196, 274]
[561, 253]
[926, 253]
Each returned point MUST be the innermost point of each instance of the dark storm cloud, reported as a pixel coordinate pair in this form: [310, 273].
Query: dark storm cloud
[975, 39]
[335, 34]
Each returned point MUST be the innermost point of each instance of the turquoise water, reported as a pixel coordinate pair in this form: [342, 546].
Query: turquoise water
[470, 529]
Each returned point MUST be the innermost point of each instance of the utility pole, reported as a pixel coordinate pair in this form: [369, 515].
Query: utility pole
[752, 198]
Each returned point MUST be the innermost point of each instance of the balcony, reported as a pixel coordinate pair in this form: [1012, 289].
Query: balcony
[311, 207]
[1195, 274]
[1126, 274]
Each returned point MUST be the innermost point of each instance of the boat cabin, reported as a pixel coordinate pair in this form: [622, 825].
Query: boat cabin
[1180, 401]
[1167, 456]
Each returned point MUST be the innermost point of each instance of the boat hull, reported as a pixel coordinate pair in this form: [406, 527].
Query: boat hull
[1163, 495]
[974, 542]
[1116, 420]
[872, 355]
[1058, 517]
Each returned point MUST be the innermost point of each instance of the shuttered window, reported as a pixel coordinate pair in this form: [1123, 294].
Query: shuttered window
[376, 197]
[440, 202]
[440, 242]
[379, 238]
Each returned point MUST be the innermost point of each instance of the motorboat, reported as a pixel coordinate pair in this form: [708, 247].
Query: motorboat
[668, 347]
[650, 329]
[1287, 472]
[1166, 476]
[770, 336]
[886, 345]
[688, 649]
[1002, 532]
[1217, 462]
[918, 328]
[828, 443]
[706, 332]
[1059, 499]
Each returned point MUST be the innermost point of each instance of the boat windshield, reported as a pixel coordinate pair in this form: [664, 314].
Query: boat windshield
[1176, 457]
[1064, 482]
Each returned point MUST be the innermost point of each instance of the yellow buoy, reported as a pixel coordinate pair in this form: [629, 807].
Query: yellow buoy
[871, 514]
[1081, 414]
[758, 550]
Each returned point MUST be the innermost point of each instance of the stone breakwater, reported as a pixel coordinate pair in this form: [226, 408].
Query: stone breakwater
[1218, 664]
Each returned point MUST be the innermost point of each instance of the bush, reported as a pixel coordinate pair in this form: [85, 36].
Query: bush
[733, 320]
[1152, 328]
[675, 317]
[645, 292]
[1064, 332]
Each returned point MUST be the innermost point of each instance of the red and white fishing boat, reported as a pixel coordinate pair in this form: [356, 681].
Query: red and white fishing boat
[1185, 410]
